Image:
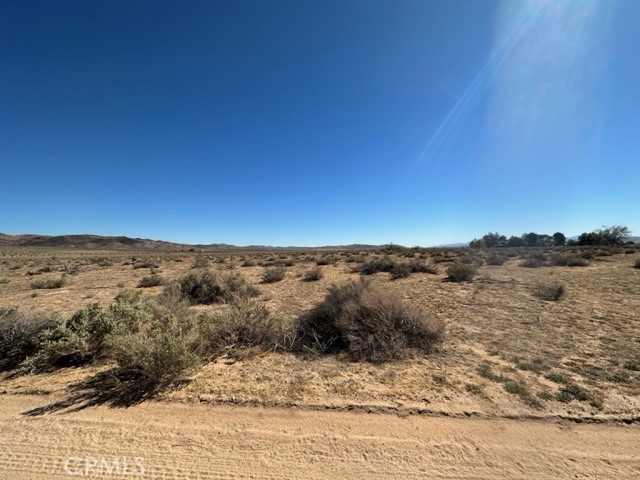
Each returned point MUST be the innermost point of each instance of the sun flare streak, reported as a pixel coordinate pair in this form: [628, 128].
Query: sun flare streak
[546, 58]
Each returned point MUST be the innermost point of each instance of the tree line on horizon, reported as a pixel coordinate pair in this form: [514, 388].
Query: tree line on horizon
[614, 235]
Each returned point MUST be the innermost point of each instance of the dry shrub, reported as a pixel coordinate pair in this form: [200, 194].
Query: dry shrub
[568, 261]
[418, 266]
[145, 263]
[313, 275]
[273, 274]
[200, 261]
[400, 270]
[461, 272]
[549, 291]
[326, 260]
[369, 323]
[403, 270]
[531, 263]
[49, 284]
[149, 281]
[381, 264]
[495, 259]
[206, 287]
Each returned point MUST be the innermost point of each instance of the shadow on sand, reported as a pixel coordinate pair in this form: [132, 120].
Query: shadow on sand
[112, 388]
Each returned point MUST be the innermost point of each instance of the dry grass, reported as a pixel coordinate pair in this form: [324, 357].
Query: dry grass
[589, 336]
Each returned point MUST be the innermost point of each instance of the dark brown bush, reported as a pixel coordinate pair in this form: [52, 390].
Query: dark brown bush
[369, 323]
[549, 291]
[149, 281]
[313, 275]
[400, 270]
[206, 287]
[145, 263]
[381, 264]
[568, 261]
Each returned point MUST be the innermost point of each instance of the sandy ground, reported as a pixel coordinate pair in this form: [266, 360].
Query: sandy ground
[167, 440]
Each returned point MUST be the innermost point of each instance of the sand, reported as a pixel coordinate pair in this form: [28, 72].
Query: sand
[162, 440]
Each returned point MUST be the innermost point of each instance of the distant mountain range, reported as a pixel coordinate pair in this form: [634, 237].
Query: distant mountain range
[90, 242]
[97, 242]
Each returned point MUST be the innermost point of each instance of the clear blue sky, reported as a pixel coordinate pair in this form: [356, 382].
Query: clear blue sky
[326, 122]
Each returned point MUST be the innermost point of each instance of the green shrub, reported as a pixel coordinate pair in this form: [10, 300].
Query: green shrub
[83, 336]
[156, 358]
[157, 347]
[461, 272]
[313, 275]
[245, 324]
[56, 346]
[558, 378]
[571, 392]
[545, 395]
[19, 336]
[149, 281]
[273, 274]
[549, 291]
[49, 284]
[473, 388]
[369, 323]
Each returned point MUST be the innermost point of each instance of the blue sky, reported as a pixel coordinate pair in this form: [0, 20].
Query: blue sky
[327, 122]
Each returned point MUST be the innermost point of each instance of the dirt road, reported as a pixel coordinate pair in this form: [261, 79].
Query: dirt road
[164, 440]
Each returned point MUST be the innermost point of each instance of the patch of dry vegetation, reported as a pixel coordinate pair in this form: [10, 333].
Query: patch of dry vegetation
[212, 312]
[368, 323]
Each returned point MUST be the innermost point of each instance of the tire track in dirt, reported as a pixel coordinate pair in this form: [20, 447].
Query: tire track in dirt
[185, 441]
